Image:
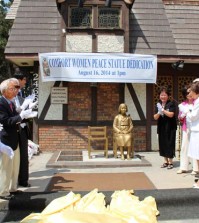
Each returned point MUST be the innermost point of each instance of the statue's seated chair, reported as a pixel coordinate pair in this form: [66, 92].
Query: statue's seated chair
[97, 134]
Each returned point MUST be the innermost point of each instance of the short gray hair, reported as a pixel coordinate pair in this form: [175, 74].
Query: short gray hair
[5, 83]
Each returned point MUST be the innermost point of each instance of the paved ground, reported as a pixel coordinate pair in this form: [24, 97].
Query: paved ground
[161, 178]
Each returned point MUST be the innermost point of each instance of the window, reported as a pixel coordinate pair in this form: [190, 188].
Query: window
[101, 28]
[109, 18]
[83, 17]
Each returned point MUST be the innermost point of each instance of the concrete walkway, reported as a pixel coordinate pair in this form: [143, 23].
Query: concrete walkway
[161, 178]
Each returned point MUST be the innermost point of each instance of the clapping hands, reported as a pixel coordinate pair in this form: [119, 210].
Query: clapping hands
[25, 114]
[28, 102]
[183, 109]
[160, 109]
[28, 113]
[27, 106]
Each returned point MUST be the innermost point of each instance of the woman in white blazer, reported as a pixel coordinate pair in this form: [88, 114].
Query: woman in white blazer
[193, 118]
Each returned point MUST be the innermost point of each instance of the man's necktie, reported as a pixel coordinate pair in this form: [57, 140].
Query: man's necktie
[11, 106]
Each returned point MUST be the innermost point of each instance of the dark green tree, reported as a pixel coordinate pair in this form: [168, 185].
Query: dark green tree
[5, 26]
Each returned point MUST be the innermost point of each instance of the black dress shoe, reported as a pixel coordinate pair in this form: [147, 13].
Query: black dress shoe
[8, 197]
[25, 185]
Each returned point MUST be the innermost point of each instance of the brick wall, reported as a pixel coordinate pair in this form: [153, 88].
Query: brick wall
[140, 138]
[52, 138]
[107, 101]
[79, 101]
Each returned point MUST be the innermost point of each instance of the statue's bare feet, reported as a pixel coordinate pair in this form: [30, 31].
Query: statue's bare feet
[128, 157]
[122, 157]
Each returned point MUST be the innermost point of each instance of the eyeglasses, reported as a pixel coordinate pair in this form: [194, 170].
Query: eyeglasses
[16, 88]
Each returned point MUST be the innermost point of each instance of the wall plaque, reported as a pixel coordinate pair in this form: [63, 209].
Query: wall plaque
[59, 95]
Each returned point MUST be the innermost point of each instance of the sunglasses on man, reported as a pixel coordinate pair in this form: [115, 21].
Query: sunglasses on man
[16, 87]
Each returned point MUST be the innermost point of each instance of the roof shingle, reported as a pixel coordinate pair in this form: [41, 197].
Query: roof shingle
[183, 20]
[36, 28]
[150, 31]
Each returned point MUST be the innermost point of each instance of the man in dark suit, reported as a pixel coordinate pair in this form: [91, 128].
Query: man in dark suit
[24, 134]
[9, 168]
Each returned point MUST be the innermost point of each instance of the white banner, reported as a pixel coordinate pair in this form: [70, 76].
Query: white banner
[98, 67]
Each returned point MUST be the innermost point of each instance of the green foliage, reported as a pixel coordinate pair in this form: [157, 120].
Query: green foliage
[5, 26]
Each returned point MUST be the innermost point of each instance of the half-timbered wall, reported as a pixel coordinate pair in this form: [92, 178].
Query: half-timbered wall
[89, 105]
